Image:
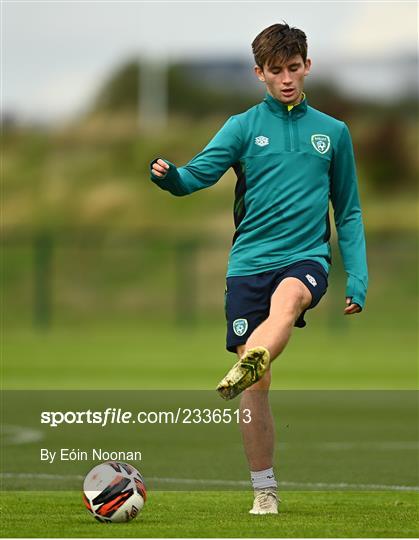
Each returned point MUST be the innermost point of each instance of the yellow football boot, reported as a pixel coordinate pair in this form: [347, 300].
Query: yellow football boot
[249, 369]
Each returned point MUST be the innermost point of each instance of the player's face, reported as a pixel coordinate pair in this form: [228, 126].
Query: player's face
[285, 82]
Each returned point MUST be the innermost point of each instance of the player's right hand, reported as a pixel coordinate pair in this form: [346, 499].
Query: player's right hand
[160, 168]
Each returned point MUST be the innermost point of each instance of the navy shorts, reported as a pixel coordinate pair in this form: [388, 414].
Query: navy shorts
[248, 298]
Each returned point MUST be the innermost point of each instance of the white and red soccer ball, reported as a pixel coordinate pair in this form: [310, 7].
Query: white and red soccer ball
[114, 492]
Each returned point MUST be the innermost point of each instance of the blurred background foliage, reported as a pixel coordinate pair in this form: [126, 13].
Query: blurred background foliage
[94, 171]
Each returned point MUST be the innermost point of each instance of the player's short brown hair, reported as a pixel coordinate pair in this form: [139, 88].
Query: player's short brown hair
[279, 42]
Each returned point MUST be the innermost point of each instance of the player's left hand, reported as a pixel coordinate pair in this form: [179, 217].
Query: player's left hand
[351, 308]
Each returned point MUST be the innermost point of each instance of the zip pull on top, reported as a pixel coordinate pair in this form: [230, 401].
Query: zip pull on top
[290, 131]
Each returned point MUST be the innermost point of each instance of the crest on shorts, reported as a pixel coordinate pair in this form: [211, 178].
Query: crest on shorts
[321, 143]
[240, 327]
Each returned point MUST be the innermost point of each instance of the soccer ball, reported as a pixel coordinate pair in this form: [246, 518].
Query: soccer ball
[114, 492]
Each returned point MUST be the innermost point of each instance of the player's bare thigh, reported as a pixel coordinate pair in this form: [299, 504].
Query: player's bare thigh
[290, 299]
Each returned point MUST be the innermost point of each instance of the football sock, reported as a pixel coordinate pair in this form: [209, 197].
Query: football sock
[263, 479]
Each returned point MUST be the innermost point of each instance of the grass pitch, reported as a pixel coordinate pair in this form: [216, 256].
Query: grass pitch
[373, 351]
[157, 355]
[218, 514]
[193, 358]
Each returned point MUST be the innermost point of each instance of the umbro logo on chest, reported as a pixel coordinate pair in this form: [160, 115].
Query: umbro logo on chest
[261, 140]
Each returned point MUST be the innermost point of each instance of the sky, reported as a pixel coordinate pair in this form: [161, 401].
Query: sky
[55, 55]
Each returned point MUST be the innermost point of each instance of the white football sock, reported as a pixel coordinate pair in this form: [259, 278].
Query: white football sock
[263, 479]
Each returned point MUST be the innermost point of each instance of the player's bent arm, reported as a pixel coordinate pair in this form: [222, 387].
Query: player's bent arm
[348, 219]
[207, 167]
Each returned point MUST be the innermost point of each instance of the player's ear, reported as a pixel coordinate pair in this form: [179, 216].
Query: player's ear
[307, 66]
[259, 73]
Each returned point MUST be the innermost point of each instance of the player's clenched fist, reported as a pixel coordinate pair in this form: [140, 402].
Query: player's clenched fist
[160, 168]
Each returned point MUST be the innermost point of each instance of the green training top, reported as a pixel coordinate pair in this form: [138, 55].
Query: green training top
[289, 162]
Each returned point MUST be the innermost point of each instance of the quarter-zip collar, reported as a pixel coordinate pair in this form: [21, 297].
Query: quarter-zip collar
[281, 109]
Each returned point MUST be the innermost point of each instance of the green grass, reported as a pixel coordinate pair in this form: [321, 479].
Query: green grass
[89, 347]
[351, 355]
[217, 514]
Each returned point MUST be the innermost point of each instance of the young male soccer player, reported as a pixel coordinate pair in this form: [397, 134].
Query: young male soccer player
[290, 160]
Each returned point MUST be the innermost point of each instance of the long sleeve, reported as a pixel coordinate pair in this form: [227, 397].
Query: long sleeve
[348, 219]
[207, 167]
